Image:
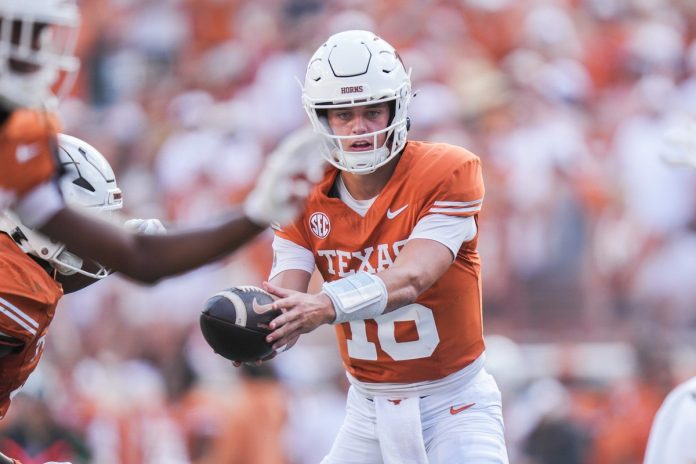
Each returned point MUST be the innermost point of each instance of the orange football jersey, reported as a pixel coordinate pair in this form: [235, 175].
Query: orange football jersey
[28, 298]
[442, 331]
[27, 145]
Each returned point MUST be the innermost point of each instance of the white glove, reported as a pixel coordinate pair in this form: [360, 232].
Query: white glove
[286, 179]
[681, 144]
[145, 226]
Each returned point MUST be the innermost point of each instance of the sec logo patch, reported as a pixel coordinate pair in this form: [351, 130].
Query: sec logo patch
[320, 225]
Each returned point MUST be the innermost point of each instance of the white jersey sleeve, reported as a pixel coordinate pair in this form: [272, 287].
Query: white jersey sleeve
[451, 231]
[672, 434]
[289, 255]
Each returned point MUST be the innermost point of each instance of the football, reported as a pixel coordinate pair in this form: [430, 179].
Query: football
[235, 324]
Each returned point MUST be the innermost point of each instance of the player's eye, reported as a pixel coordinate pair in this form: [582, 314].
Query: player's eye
[344, 115]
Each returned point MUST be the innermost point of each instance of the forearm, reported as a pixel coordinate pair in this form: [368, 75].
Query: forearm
[148, 258]
[420, 264]
[404, 285]
[292, 279]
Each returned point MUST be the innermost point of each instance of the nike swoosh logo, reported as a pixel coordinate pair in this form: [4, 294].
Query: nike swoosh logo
[392, 214]
[26, 152]
[454, 410]
[260, 309]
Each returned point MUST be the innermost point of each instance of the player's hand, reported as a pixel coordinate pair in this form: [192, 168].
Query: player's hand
[680, 142]
[256, 363]
[286, 179]
[302, 313]
[145, 226]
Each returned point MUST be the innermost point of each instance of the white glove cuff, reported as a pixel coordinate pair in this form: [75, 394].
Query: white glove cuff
[145, 226]
[39, 205]
[357, 297]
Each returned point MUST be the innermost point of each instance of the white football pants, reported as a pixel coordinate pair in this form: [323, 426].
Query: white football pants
[463, 425]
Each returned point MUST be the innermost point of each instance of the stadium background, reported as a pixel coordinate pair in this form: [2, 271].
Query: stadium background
[588, 238]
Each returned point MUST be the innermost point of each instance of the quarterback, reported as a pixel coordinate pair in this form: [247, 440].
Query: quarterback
[393, 230]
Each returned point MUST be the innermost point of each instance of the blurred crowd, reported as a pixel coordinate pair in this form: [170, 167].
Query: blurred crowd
[588, 232]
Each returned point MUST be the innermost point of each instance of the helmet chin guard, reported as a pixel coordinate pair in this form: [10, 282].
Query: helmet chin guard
[356, 68]
[88, 183]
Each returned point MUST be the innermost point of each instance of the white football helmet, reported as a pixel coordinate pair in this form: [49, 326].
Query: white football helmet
[37, 42]
[356, 68]
[88, 182]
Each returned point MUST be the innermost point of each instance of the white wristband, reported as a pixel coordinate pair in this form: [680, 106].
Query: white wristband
[39, 205]
[357, 297]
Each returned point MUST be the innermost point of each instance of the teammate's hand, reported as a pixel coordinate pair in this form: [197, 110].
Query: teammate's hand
[680, 143]
[302, 313]
[286, 179]
[145, 226]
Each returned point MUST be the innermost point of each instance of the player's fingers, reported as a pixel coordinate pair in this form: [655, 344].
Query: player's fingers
[277, 326]
[286, 307]
[300, 189]
[275, 290]
[285, 340]
[290, 344]
[289, 303]
[292, 332]
[270, 356]
[280, 336]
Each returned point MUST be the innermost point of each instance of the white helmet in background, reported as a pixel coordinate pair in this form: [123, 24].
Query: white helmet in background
[88, 182]
[37, 43]
[355, 68]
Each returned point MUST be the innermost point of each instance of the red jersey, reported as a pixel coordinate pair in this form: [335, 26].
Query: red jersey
[28, 298]
[441, 332]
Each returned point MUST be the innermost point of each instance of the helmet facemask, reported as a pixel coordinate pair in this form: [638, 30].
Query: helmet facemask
[357, 68]
[37, 41]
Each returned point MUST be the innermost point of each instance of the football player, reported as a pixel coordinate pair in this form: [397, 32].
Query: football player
[393, 230]
[36, 51]
[37, 271]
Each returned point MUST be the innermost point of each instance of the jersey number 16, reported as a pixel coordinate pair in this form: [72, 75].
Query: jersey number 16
[359, 347]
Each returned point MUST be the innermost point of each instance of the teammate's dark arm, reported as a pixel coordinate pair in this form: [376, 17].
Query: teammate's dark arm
[148, 258]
